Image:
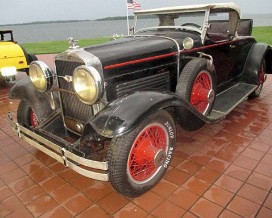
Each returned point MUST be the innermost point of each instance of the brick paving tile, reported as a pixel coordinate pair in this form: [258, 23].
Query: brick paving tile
[94, 211]
[243, 207]
[218, 195]
[183, 198]
[253, 193]
[77, 204]
[131, 210]
[97, 191]
[205, 208]
[222, 170]
[168, 209]
[112, 202]
[268, 202]
[57, 212]
[148, 201]
[196, 185]
[165, 188]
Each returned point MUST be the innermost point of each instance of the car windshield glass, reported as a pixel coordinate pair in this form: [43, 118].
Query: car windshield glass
[5, 37]
[193, 19]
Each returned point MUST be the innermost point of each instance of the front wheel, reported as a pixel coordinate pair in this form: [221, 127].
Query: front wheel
[139, 159]
[26, 116]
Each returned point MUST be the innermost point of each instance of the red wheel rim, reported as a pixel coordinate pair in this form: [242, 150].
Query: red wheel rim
[262, 74]
[147, 153]
[33, 119]
[202, 93]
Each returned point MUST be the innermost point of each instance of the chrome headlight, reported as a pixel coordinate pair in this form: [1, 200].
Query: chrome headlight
[41, 76]
[188, 43]
[88, 84]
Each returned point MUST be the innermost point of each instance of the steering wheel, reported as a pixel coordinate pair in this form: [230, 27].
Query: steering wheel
[191, 24]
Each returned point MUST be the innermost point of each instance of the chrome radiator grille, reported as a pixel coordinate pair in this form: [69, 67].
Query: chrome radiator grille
[72, 107]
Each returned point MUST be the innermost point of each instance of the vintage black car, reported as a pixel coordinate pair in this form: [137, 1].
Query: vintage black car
[109, 111]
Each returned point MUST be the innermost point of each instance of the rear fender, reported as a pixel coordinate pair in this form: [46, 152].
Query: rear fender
[39, 102]
[257, 53]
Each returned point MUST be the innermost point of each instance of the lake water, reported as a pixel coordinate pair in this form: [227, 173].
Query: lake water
[88, 29]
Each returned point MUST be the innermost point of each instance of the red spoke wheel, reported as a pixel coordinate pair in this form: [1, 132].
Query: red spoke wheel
[33, 118]
[202, 92]
[147, 153]
[197, 85]
[139, 159]
[261, 79]
[26, 116]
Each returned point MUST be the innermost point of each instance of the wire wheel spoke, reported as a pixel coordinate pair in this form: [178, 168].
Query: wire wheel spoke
[200, 92]
[145, 149]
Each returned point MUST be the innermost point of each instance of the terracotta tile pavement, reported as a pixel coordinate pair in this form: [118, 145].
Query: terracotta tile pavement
[222, 170]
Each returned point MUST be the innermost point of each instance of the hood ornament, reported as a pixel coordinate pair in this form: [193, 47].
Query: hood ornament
[68, 78]
[73, 43]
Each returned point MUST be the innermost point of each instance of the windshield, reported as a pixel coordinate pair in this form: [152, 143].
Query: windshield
[6, 36]
[190, 21]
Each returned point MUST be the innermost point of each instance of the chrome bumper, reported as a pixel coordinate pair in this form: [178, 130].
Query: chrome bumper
[67, 158]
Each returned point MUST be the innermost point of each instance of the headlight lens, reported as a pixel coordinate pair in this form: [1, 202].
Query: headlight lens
[88, 84]
[188, 43]
[41, 76]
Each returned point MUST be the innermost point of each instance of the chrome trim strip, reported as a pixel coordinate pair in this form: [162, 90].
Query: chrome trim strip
[61, 154]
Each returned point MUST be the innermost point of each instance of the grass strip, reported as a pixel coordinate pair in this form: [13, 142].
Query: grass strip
[54, 47]
[261, 34]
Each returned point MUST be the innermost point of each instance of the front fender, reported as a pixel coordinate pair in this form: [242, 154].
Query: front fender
[125, 113]
[39, 102]
[257, 53]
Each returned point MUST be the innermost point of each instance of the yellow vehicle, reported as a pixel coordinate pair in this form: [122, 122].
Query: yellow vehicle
[12, 56]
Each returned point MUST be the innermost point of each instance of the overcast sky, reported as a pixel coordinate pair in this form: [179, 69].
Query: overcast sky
[24, 11]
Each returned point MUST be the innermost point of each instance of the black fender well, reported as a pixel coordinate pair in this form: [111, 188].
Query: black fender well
[253, 63]
[124, 114]
[39, 102]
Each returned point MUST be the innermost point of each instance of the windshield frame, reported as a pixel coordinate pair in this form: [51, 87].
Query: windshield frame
[202, 31]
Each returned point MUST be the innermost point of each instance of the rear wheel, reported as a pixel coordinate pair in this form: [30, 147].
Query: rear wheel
[139, 159]
[26, 116]
[262, 77]
[197, 86]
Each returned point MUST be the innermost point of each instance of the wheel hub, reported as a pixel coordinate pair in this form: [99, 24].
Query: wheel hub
[159, 158]
[211, 96]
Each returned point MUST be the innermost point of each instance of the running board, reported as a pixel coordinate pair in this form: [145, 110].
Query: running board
[226, 101]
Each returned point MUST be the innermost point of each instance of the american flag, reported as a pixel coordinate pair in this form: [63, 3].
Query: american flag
[131, 4]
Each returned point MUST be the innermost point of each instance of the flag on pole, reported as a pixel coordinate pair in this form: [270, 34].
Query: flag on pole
[131, 4]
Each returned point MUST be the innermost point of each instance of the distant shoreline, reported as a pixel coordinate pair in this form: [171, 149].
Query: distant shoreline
[103, 19]
[84, 29]
[68, 21]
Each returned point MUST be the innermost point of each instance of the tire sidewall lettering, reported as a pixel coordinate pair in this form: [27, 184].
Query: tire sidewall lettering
[170, 150]
[168, 157]
[170, 130]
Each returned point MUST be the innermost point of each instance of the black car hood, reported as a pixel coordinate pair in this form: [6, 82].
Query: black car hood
[138, 47]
